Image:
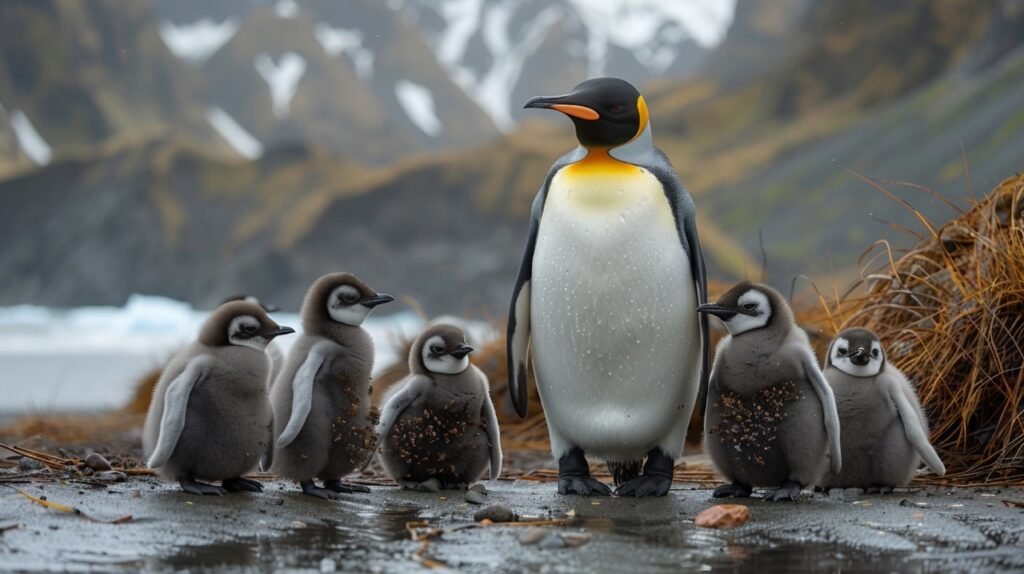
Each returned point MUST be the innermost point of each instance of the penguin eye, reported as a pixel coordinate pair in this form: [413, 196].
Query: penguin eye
[750, 306]
[347, 298]
[616, 109]
[843, 351]
[874, 352]
[437, 349]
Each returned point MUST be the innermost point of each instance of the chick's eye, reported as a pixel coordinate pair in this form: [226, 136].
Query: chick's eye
[843, 350]
[617, 108]
[750, 306]
[347, 298]
[437, 349]
[874, 352]
[249, 328]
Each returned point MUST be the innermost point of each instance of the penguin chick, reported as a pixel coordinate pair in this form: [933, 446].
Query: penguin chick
[274, 352]
[441, 423]
[209, 417]
[771, 417]
[323, 421]
[885, 431]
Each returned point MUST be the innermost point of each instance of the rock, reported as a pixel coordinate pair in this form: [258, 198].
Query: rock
[479, 487]
[431, 485]
[275, 502]
[96, 462]
[532, 536]
[552, 541]
[25, 463]
[908, 502]
[575, 539]
[723, 516]
[110, 476]
[475, 497]
[497, 512]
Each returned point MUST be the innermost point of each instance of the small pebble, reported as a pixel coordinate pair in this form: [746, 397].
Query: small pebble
[328, 565]
[723, 516]
[275, 502]
[298, 524]
[474, 497]
[907, 502]
[431, 485]
[552, 541]
[532, 536]
[478, 487]
[96, 461]
[110, 476]
[497, 512]
[25, 463]
[575, 540]
[136, 494]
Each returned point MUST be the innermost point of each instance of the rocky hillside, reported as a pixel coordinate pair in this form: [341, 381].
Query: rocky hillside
[763, 153]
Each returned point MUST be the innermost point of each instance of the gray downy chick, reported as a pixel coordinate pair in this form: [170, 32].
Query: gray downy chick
[209, 417]
[323, 420]
[771, 418]
[885, 430]
[441, 423]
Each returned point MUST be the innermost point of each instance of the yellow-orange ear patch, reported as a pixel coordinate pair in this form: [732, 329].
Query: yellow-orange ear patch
[576, 111]
[641, 107]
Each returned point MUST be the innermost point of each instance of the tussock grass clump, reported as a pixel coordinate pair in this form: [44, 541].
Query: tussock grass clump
[951, 313]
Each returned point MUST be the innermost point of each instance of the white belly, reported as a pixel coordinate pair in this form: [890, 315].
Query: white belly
[615, 339]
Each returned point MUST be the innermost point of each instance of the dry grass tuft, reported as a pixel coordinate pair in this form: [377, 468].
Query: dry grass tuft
[951, 313]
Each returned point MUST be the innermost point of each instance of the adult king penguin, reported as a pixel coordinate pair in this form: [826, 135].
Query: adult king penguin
[606, 297]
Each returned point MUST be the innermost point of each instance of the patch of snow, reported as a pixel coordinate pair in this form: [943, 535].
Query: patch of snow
[242, 141]
[286, 9]
[418, 104]
[33, 144]
[463, 20]
[197, 41]
[632, 23]
[283, 78]
[336, 41]
[91, 357]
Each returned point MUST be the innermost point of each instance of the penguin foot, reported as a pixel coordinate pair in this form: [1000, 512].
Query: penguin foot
[339, 486]
[574, 476]
[455, 486]
[583, 486]
[429, 485]
[788, 491]
[191, 486]
[732, 490]
[656, 479]
[309, 488]
[242, 485]
[878, 490]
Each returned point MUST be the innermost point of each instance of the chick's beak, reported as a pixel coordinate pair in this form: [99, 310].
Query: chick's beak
[461, 351]
[723, 313]
[380, 299]
[278, 332]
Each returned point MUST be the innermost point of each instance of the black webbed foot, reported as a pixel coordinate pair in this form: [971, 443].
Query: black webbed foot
[656, 479]
[788, 491]
[242, 485]
[191, 486]
[878, 490]
[574, 476]
[346, 487]
[310, 488]
[732, 490]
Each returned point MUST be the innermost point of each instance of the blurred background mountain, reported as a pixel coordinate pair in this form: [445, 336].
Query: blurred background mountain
[200, 148]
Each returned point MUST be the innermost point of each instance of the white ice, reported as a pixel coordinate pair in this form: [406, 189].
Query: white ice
[336, 41]
[237, 137]
[418, 104]
[286, 9]
[283, 78]
[33, 144]
[195, 42]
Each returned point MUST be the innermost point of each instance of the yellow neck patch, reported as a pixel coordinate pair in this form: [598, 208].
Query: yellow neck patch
[645, 117]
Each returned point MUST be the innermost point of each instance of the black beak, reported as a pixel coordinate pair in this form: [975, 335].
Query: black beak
[859, 357]
[380, 299]
[270, 308]
[564, 104]
[278, 332]
[723, 313]
[461, 351]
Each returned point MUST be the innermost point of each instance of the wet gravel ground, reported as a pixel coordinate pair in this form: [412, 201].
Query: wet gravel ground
[920, 530]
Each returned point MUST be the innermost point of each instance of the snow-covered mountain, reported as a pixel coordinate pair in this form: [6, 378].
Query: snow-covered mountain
[429, 61]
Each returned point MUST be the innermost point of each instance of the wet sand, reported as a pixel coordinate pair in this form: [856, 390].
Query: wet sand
[919, 530]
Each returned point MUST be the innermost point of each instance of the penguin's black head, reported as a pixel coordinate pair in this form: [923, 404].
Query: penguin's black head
[340, 298]
[441, 349]
[857, 352]
[607, 112]
[747, 307]
[240, 323]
